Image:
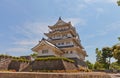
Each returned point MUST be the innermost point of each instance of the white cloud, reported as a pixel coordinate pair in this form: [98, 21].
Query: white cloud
[26, 36]
[77, 7]
[108, 29]
[75, 21]
[111, 28]
[90, 46]
[100, 10]
[17, 49]
[111, 1]
[99, 1]
[90, 1]
[31, 29]
[71, 6]
[25, 42]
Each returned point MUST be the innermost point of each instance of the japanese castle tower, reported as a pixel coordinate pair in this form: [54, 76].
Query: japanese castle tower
[62, 41]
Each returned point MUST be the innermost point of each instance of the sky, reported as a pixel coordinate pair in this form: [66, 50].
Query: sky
[23, 22]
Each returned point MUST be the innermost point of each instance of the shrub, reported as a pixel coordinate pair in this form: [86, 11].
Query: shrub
[82, 69]
[5, 56]
[54, 58]
[21, 60]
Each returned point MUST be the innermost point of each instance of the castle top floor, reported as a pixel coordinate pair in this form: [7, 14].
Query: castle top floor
[61, 25]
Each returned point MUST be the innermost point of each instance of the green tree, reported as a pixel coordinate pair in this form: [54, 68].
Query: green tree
[116, 52]
[115, 66]
[98, 55]
[118, 2]
[34, 55]
[98, 66]
[107, 54]
[103, 57]
[89, 64]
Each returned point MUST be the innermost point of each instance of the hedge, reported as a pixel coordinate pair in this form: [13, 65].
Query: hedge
[54, 58]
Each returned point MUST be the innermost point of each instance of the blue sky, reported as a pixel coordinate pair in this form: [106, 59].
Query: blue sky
[23, 22]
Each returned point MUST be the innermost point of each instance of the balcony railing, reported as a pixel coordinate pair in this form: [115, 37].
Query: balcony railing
[65, 46]
[62, 29]
[65, 37]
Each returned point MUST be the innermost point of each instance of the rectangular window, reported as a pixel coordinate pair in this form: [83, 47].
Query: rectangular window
[66, 52]
[65, 35]
[58, 43]
[44, 51]
[62, 43]
[71, 52]
[67, 43]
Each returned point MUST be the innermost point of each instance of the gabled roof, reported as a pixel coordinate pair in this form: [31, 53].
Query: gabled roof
[46, 42]
[60, 22]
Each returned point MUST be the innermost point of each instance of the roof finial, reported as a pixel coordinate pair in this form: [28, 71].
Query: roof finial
[60, 18]
[43, 38]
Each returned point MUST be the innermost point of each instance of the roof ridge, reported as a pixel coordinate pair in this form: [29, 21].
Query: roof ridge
[60, 22]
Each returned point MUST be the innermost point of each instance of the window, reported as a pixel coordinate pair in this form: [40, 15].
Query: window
[62, 43]
[58, 35]
[58, 43]
[71, 52]
[44, 51]
[66, 52]
[69, 35]
[67, 43]
[65, 35]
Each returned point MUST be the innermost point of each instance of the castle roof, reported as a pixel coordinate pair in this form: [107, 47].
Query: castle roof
[60, 22]
[44, 41]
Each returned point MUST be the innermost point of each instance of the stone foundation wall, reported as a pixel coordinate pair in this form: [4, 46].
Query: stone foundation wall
[52, 65]
[37, 65]
[18, 66]
[79, 62]
[69, 65]
[41, 65]
[4, 63]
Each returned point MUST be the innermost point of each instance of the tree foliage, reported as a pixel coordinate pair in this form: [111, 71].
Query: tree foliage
[119, 38]
[116, 52]
[34, 55]
[115, 65]
[98, 55]
[118, 2]
[103, 57]
[89, 64]
[98, 66]
[107, 55]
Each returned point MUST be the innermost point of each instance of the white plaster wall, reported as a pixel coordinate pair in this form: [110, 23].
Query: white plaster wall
[74, 55]
[50, 52]
[65, 43]
[71, 55]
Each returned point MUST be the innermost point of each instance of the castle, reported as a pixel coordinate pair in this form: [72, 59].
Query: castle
[62, 41]
[62, 50]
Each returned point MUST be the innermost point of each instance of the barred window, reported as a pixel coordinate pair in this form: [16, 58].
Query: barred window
[44, 51]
